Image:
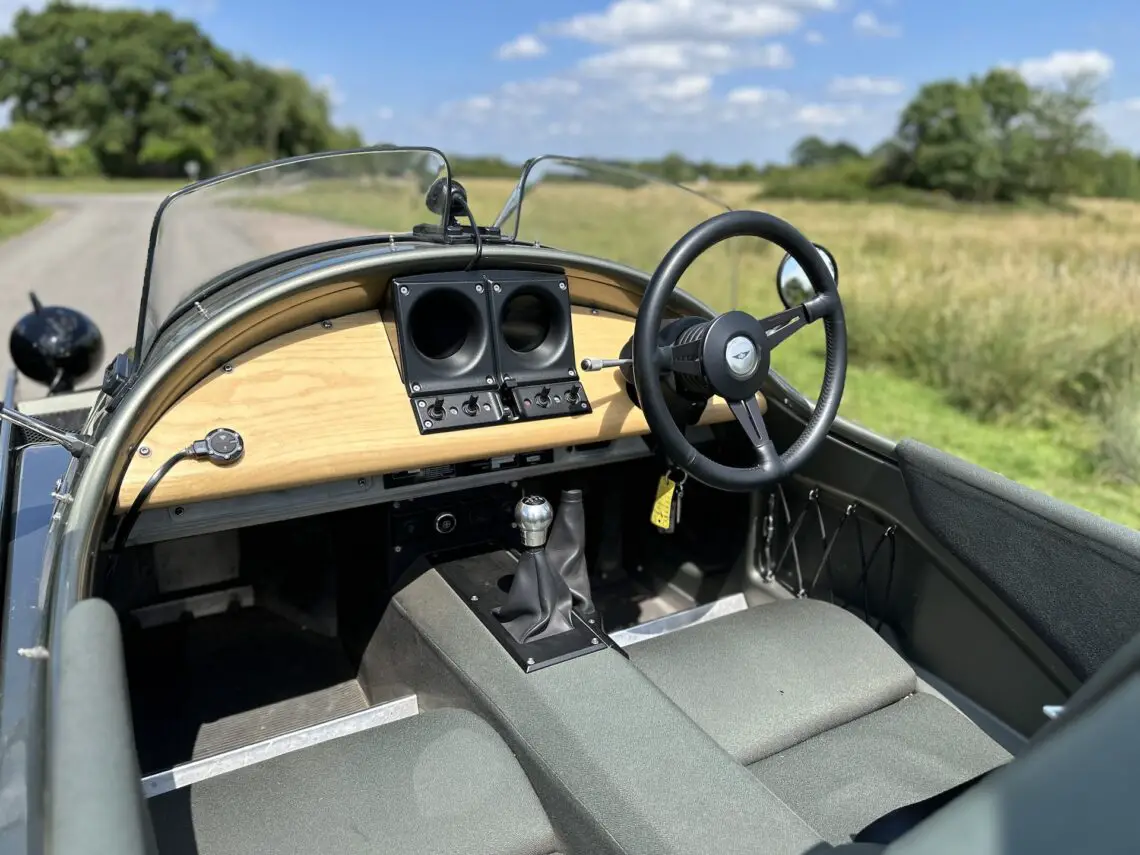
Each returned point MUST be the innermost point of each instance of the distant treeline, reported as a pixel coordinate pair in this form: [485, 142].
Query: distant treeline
[118, 92]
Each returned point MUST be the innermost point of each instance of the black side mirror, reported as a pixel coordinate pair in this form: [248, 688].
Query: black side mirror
[792, 283]
[55, 346]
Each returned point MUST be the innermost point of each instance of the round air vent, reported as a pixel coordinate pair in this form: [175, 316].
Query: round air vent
[446, 328]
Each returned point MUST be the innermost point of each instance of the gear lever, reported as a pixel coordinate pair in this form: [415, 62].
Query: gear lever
[539, 602]
[566, 550]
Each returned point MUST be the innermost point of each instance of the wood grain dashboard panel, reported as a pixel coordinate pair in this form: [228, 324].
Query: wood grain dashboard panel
[326, 404]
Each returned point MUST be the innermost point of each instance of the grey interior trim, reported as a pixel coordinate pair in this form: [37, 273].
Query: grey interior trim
[996, 729]
[194, 772]
[679, 620]
[241, 511]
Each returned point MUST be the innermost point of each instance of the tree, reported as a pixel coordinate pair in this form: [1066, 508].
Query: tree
[813, 151]
[25, 150]
[149, 91]
[993, 138]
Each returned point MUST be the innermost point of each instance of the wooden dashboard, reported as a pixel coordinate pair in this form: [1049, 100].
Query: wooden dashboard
[323, 404]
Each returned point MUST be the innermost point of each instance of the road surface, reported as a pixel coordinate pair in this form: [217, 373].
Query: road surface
[90, 255]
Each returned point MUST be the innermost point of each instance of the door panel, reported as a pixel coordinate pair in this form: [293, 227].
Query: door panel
[1072, 576]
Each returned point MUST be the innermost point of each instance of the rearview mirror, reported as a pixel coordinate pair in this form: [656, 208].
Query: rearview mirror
[55, 346]
[792, 282]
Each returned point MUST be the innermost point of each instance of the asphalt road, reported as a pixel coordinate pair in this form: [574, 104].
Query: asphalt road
[90, 255]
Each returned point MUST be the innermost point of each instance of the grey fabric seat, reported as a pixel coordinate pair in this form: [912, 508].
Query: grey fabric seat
[442, 781]
[821, 709]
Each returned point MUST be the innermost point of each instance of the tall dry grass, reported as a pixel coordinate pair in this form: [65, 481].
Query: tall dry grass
[1011, 316]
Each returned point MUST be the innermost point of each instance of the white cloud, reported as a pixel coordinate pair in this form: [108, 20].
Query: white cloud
[385, 113]
[525, 46]
[683, 88]
[813, 37]
[868, 24]
[698, 57]
[750, 96]
[479, 103]
[1064, 64]
[326, 83]
[655, 20]
[862, 84]
[827, 115]
[543, 87]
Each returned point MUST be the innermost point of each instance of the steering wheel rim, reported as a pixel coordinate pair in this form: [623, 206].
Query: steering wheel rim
[710, 354]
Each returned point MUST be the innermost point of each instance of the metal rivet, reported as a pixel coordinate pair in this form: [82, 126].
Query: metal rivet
[144, 451]
[474, 598]
[454, 411]
[514, 483]
[395, 504]
[593, 311]
[415, 387]
[227, 368]
[361, 482]
[487, 407]
[557, 400]
[593, 641]
[490, 381]
[562, 285]
[398, 549]
[403, 289]
[498, 288]
[327, 325]
[571, 372]
[592, 621]
[427, 423]
[179, 511]
[478, 289]
[421, 404]
[530, 661]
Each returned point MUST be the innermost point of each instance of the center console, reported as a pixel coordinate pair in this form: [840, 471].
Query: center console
[536, 602]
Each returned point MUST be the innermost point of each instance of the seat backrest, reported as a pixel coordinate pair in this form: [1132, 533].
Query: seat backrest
[1073, 790]
[96, 799]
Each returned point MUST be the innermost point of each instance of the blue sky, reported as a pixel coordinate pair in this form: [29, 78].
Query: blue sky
[722, 79]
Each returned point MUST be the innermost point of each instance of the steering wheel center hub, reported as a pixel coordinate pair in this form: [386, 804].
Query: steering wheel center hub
[741, 356]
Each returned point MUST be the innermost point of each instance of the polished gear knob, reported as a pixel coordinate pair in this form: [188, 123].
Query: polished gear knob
[533, 516]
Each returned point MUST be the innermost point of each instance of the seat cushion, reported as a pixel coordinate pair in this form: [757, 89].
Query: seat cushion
[766, 678]
[442, 781]
[845, 778]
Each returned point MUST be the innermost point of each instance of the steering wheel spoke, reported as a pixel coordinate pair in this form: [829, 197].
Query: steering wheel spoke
[750, 418]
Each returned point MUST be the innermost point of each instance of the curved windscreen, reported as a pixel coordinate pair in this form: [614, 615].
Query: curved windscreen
[610, 212]
[210, 228]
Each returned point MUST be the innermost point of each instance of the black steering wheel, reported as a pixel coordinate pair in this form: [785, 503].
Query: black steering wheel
[730, 355]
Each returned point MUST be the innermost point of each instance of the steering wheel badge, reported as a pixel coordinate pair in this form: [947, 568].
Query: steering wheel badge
[740, 354]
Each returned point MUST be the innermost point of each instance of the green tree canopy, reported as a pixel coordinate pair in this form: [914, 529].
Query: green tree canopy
[150, 92]
[813, 151]
[994, 138]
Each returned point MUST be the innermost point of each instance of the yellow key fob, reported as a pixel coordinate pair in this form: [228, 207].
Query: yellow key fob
[662, 513]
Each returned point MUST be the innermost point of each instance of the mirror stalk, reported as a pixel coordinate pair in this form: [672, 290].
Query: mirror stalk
[74, 444]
